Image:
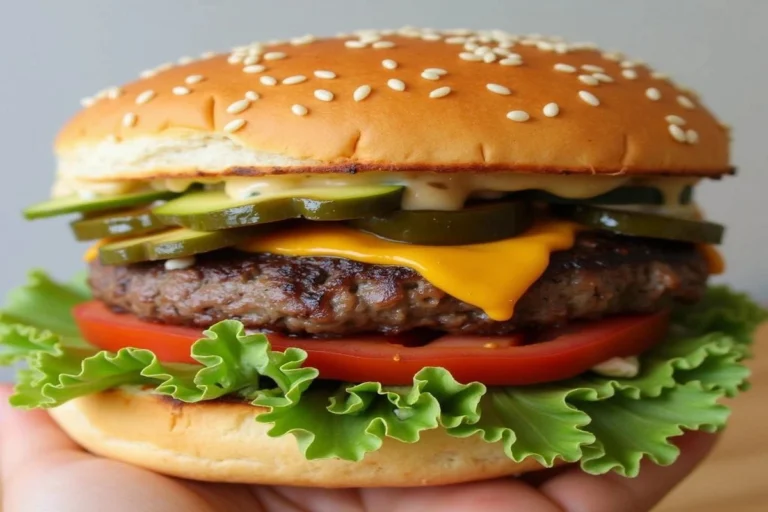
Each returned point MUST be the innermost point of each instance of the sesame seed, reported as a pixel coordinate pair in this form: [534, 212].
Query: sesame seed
[238, 106]
[512, 60]
[114, 92]
[293, 80]
[147, 73]
[274, 55]
[252, 59]
[234, 125]
[490, 57]
[603, 77]
[380, 45]
[629, 74]
[551, 109]
[87, 102]
[628, 64]
[323, 95]
[456, 40]
[268, 80]
[472, 57]
[503, 52]
[592, 69]
[613, 56]
[181, 90]
[144, 97]
[328, 75]
[471, 46]
[361, 92]
[165, 66]
[565, 68]
[482, 50]
[590, 98]
[545, 46]
[252, 95]
[653, 94]
[589, 80]
[255, 68]
[518, 115]
[677, 133]
[299, 110]
[397, 85]
[183, 61]
[354, 44]
[129, 119]
[659, 76]
[207, 55]
[685, 102]
[498, 89]
[692, 136]
[673, 119]
[437, 71]
[428, 75]
[431, 37]
[389, 64]
[440, 92]
[305, 39]
[194, 79]
[235, 59]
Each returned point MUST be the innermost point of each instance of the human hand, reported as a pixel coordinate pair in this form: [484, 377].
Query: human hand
[42, 469]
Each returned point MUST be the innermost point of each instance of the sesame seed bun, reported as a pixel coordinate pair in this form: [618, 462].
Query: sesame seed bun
[409, 100]
[222, 442]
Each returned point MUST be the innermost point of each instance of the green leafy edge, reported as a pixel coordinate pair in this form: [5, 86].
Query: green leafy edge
[606, 424]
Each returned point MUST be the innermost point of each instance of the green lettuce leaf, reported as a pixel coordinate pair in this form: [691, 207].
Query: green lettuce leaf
[608, 424]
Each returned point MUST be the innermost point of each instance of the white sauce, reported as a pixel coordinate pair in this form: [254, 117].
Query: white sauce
[179, 263]
[423, 190]
[625, 367]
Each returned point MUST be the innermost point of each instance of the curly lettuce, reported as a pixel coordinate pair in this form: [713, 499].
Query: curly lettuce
[606, 424]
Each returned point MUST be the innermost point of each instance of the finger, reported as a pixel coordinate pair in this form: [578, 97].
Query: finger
[507, 495]
[576, 491]
[28, 436]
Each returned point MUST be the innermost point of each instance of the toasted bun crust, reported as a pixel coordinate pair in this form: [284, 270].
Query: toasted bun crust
[185, 120]
[222, 442]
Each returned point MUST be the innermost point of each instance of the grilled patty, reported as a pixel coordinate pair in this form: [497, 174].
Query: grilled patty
[603, 274]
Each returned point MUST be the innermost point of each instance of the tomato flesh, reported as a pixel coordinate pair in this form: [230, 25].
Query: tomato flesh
[496, 360]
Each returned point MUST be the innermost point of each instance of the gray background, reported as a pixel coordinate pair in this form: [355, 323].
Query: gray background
[54, 52]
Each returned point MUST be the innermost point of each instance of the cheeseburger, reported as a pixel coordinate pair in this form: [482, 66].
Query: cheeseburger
[389, 258]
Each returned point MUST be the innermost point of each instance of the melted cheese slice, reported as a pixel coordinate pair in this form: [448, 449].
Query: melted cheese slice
[491, 276]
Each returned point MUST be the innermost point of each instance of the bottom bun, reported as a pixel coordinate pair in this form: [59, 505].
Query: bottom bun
[222, 442]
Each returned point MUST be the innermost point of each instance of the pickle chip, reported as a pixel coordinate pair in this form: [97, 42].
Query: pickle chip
[116, 224]
[214, 210]
[642, 224]
[173, 243]
[630, 194]
[478, 223]
[77, 204]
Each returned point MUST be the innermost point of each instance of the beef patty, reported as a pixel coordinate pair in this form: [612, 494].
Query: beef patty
[603, 274]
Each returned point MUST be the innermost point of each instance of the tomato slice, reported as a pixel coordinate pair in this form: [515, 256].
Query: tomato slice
[496, 360]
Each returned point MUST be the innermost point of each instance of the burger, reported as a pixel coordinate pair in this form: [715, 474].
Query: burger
[388, 258]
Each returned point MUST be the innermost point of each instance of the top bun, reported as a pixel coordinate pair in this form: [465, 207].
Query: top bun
[409, 99]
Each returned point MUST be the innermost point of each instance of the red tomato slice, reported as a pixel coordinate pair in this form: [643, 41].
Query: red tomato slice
[497, 360]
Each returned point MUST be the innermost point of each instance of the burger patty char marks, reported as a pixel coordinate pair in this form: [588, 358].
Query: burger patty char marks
[603, 274]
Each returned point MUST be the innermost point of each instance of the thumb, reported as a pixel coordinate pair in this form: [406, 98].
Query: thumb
[28, 437]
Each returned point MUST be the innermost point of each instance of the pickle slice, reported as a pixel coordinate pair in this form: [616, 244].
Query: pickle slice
[174, 243]
[476, 223]
[214, 210]
[75, 203]
[642, 224]
[116, 224]
[631, 194]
